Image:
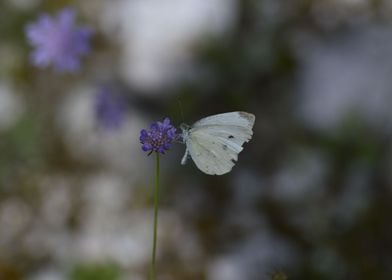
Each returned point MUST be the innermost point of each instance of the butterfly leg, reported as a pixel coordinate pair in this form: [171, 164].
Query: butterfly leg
[185, 157]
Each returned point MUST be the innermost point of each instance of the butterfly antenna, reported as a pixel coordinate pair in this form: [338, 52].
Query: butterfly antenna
[180, 107]
[179, 138]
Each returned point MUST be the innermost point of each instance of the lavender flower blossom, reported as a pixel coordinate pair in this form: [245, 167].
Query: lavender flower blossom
[58, 41]
[159, 138]
[110, 108]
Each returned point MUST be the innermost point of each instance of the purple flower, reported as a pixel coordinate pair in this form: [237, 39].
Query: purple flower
[109, 108]
[58, 41]
[159, 138]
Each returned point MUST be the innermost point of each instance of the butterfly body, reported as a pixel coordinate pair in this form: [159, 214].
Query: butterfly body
[214, 142]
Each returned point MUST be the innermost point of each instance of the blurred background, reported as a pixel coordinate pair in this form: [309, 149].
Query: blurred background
[310, 196]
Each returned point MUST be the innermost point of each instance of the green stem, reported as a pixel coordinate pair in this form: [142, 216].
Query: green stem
[156, 201]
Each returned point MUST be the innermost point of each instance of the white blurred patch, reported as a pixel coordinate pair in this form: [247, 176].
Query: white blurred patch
[118, 150]
[43, 240]
[317, 214]
[248, 190]
[109, 229]
[14, 218]
[157, 36]
[329, 14]
[127, 240]
[302, 178]
[349, 76]
[105, 194]
[24, 4]
[254, 258]
[56, 202]
[48, 273]
[177, 235]
[10, 106]
[225, 268]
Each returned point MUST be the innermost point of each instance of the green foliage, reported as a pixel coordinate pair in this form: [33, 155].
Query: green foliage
[279, 276]
[95, 272]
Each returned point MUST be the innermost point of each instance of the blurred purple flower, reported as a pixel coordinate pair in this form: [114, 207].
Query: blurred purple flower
[58, 41]
[159, 138]
[109, 108]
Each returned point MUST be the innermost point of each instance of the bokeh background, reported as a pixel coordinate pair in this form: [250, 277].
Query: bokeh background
[311, 195]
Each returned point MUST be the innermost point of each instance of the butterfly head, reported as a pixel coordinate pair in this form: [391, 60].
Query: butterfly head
[185, 132]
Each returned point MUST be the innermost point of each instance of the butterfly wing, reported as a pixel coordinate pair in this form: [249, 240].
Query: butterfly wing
[215, 142]
[242, 119]
[207, 156]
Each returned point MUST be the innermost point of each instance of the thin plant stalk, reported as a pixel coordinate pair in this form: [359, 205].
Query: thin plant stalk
[156, 202]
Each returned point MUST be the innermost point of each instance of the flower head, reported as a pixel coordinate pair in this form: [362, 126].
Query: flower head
[57, 41]
[109, 108]
[159, 138]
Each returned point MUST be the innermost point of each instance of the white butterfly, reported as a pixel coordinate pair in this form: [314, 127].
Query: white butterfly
[214, 142]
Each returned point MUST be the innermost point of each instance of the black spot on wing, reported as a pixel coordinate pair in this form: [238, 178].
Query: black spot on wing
[230, 137]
